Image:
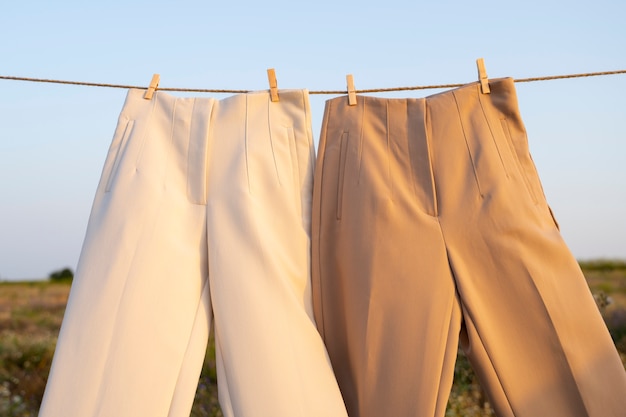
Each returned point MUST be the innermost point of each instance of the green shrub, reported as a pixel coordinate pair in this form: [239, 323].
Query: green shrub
[603, 265]
[24, 364]
[65, 274]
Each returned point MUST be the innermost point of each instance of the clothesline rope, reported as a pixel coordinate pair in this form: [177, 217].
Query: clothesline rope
[329, 92]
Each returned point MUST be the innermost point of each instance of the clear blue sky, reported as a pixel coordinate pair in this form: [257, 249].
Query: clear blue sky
[54, 138]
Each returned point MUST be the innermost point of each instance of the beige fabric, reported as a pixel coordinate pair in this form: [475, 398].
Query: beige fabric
[202, 215]
[430, 225]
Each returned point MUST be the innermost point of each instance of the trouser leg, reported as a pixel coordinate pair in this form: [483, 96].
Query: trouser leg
[385, 298]
[271, 360]
[534, 333]
[127, 338]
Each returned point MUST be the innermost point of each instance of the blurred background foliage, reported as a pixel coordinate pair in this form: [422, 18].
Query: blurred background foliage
[31, 315]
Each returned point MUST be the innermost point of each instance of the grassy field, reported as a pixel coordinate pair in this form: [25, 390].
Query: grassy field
[31, 313]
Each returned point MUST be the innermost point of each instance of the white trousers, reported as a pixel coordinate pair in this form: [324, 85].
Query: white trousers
[202, 216]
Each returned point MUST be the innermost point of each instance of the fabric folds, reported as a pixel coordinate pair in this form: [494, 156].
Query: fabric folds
[430, 229]
[201, 218]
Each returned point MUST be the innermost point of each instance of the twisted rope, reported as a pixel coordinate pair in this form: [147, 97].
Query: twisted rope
[329, 92]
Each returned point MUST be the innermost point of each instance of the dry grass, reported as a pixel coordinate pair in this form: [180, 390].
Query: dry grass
[30, 317]
[31, 314]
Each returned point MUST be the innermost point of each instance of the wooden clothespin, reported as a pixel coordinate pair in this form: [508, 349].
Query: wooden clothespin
[154, 83]
[351, 90]
[271, 76]
[482, 76]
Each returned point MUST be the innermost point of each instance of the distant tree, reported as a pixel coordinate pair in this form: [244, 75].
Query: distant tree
[602, 264]
[65, 274]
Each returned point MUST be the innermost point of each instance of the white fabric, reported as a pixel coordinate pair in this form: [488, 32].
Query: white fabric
[202, 216]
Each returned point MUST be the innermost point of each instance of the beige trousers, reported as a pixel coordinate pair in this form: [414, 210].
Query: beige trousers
[430, 225]
[202, 215]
